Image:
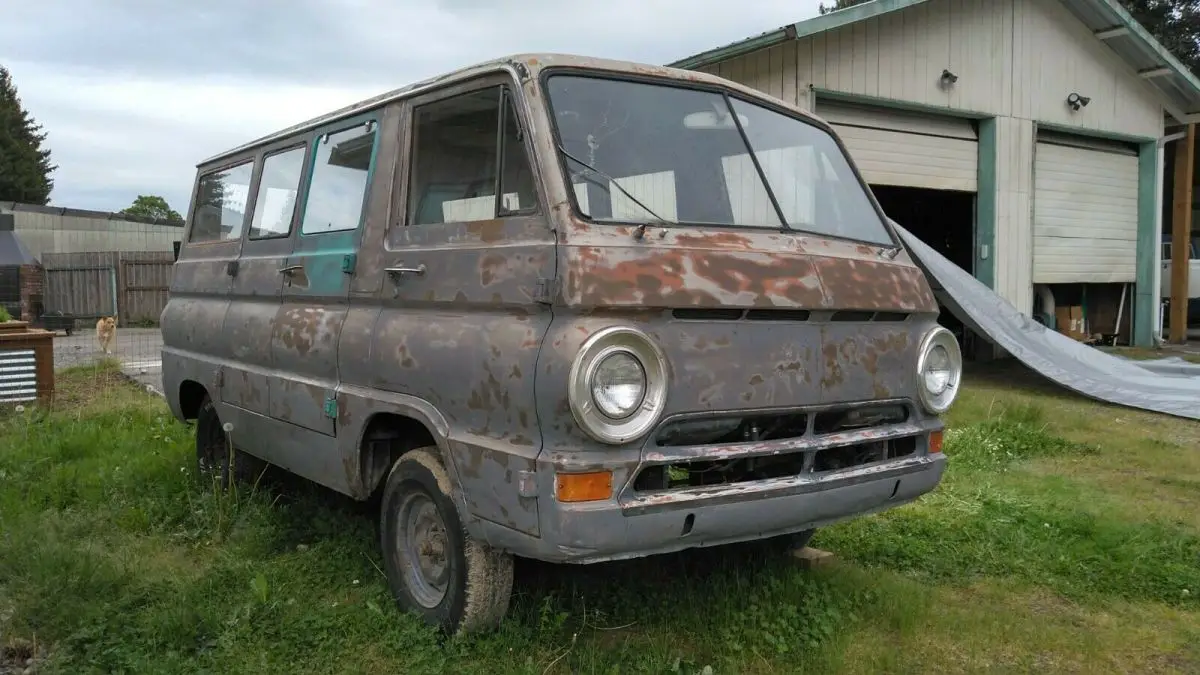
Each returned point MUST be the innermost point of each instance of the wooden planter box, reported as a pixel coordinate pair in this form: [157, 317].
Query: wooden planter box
[26, 363]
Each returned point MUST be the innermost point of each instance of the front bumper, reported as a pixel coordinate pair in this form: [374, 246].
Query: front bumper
[640, 524]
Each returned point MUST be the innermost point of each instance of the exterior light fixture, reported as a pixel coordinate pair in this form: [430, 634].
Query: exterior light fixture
[947, 79]
[1075, 101]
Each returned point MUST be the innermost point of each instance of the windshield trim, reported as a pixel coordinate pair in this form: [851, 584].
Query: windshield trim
[727, 93]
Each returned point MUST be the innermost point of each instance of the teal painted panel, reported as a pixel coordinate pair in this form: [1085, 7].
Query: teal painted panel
[985, 205]
[1146, 294]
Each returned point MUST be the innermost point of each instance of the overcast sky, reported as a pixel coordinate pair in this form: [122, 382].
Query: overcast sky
[134, 93]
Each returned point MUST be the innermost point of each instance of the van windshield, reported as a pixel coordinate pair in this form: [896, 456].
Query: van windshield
[680, 154]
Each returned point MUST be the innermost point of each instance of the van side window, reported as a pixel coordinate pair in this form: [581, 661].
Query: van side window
[339, 180]
[277, 189]
[462, 150]
[221, 198]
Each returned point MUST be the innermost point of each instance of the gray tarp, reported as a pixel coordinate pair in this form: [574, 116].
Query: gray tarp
[1074, 365]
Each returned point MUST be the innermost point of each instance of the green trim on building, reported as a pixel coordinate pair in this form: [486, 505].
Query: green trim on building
[985, 205]
[1093, 133]
[1145, 294]
[893, 104]
[795, 31]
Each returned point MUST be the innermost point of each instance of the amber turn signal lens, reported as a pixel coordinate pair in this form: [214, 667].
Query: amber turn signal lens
[935, 442]
[583, 487]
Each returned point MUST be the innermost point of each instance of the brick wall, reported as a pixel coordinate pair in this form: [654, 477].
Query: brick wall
[33, 282]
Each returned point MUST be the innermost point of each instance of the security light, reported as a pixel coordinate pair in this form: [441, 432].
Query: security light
[1075, 101]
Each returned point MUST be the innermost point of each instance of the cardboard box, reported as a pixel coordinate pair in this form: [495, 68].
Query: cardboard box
[1069, 321]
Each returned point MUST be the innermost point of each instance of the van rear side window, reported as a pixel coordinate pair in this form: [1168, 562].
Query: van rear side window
[221, 204]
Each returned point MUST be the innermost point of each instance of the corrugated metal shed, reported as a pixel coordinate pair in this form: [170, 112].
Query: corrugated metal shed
[12, 251]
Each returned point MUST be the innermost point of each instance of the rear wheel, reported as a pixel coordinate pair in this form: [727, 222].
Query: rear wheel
[434, 568]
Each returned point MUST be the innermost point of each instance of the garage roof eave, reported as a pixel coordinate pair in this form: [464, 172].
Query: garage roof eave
[729, 51]
[795, 31]
[1108, 20]
[1136, 46]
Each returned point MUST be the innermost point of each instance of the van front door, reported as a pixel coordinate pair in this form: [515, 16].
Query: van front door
[461, 323]
[316, 282]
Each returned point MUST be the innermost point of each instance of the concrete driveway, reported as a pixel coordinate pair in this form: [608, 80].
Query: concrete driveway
[138, 350]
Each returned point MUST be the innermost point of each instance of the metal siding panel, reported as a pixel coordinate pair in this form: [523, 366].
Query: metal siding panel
[1085, 216]
[1013, 255]
[18, 376]
[797, 65]
[1121, 101]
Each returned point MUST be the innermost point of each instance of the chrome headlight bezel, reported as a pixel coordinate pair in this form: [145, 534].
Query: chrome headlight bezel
[599, 346]
[939, 403]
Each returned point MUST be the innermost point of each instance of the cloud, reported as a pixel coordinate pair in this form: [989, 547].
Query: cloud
[133, 93]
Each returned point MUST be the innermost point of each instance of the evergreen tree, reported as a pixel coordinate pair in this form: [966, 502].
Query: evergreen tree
[25, 166]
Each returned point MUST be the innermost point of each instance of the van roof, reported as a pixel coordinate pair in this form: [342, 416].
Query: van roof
[512, 63]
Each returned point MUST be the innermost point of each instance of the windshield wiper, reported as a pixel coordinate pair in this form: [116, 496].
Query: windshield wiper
[641, 228]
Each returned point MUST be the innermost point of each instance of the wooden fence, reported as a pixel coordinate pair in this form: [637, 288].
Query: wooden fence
[131, 284]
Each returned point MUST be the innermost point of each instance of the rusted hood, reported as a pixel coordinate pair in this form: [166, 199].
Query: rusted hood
[609, 266]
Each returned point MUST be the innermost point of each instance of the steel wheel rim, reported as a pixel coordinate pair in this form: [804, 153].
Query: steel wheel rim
[422, 545]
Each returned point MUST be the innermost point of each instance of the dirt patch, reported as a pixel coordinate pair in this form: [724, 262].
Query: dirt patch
[86, 386]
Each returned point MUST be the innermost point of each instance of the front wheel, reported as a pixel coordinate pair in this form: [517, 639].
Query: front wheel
[434, 567]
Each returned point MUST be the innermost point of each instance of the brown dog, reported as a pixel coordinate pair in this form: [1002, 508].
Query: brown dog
[106, 332]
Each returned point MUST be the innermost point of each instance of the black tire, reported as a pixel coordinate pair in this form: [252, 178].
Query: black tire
[454, 582]
[216, 459]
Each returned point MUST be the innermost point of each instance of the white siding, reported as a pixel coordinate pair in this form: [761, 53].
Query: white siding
[1013, 256]
[1058, 55]
[1014, 58]
[895, 148]
[1085, 215]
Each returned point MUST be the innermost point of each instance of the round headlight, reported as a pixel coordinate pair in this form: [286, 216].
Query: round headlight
[618, 385]
[939, 370]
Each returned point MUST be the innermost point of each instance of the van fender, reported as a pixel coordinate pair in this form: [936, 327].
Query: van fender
[356, 406]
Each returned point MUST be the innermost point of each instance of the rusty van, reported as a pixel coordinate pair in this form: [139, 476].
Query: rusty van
[563, 308]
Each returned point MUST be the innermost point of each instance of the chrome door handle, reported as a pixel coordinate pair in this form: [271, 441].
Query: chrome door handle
[397, 271]
[290, 268]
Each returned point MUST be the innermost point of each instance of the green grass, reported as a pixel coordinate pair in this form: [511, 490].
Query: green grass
[1065, 538]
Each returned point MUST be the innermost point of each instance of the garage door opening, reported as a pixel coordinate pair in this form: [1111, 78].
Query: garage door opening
[945, 220]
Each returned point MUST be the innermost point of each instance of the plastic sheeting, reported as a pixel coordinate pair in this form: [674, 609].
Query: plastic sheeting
[1169, 388]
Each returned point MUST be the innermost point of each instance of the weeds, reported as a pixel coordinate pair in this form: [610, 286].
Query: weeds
[1018, 433]
[119, 557]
